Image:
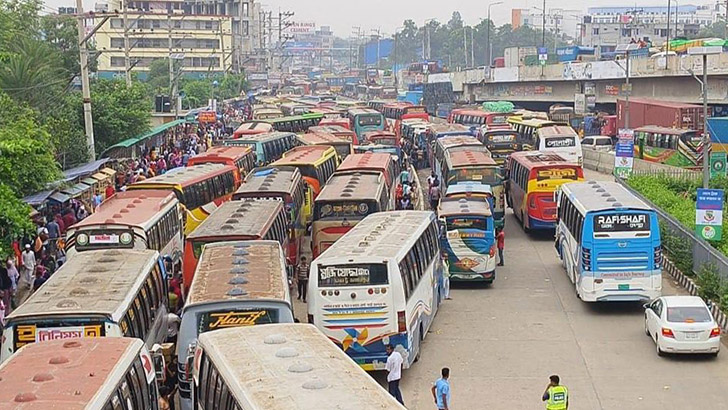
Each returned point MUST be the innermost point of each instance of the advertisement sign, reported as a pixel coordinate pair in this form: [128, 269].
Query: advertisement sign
[709, 214]
[624, 153]
[543, 55]
[717, 164]
[207, 116]
[579, 104]
[301, 27]
[593, 70]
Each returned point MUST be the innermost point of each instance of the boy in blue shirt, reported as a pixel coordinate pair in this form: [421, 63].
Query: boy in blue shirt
[441, 390]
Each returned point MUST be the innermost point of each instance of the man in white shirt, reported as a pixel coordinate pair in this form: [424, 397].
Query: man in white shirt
[394, 372]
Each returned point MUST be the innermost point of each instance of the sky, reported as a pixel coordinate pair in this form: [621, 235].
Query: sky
[388, 15]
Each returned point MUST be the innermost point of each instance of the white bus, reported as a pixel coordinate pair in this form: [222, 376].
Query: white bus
[115, 292]
[609, 242]
[240, 283]
[108, 373]
[380, 283]
[562, 140]
[280, 367]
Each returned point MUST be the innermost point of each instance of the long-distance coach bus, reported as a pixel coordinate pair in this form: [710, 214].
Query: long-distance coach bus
[268, 146]
[381, 283]
[342, 145]
[243, 158]
[280, 366]
[296, 123]
[88, 373]
[112, 293]
[468, 239]
[609, 242]
[533, 177]
[241, 283]
[445, 143]
[200, 188]
[365, 120]
[527, 129]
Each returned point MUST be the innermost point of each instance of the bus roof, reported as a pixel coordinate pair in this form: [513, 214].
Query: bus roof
[378, 134]
[65, 374]
[663, 130]
[556, 131]
[366, 161]
[463, 158]
[458, 140]
[129, 208]
[265, 136]
[94, 282]
[330, 129]
[254, 125]
[310, 115]
[464, 207]
[447, 128]
[356, 186]
[322, 139]
[362, 111]
[306, 154]
[468, 187]
[184, 176]
[219, 267]
[241, 219]
[592, 196]
[535, 122]
[536, 159]
[379, 235]
[272, 179]
[219, 153]
[250, 361]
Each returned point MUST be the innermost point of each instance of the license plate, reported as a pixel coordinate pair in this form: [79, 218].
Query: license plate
[624, 286]
[692, 336]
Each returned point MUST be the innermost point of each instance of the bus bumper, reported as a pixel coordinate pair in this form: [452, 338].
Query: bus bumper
[472, 276]
[534, 223]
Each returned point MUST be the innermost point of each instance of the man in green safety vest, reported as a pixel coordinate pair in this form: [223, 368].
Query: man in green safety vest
[556, 396]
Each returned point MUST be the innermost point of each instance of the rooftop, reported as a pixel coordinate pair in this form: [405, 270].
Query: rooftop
[130, 208]
[238, 219]
[464, 206]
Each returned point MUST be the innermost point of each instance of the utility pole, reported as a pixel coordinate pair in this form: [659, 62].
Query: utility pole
[127, 47]
[171, 62]
[85, 86]
[472, 48]
[465, 44]
[222, 50]
[543, 25]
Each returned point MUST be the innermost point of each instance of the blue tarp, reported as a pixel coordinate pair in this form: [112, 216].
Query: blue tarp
[38, 198]
[83, 170]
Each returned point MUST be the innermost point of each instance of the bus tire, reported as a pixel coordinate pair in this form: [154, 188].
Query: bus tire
[526, 229]
[419, 345]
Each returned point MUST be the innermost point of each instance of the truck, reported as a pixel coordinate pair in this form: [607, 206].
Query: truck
[514, 56]
[671, 114]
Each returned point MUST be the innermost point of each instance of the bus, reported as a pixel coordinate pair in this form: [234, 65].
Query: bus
[532, 180]
[463, 165]
[343, 202]
[243, 220]
[365, 120]
[104, 293]
[378, 162]
[342, 145]
[242, 157]
[291, 108]
[266, 114]
[437, 162]
[471, 190]
[400, 111]
[381, 283]
[303, 370]
[252, 128]
[268, 146]
[676, 147]
[316, 162]
[340, 121]
[437, 131]
[382, 138]
[337, 130]
[467, 239]
[526, 128]
[200, 189]
[561, 140]
[475, 118]
[225, 294]
[500, 142]
[609, 242]
[376, 148]
[296, 123]
[284, 184]
[108, 373]
[132, 220]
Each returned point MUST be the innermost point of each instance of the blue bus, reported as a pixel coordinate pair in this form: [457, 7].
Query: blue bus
[467, 238]
[609, 242]
[471, 189]
[268, 146]
[365, 120]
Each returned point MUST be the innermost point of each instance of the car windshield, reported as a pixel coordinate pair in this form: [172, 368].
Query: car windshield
[688, 314]
[604, 141]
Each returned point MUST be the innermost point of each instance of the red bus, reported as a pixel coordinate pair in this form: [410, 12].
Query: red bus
[241, 156]
[382, 138]
[337, 130]
[477, 118]
[371, 162]
[252, 128]
[243, 220]
[328, 112]
[342, 122]
[396, 112]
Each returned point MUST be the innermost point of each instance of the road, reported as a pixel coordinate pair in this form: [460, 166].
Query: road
[502, 342]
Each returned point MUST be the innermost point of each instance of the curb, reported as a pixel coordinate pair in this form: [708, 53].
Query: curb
[687, 283]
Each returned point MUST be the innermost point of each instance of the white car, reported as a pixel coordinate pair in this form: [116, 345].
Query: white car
[682, 324]
[597, 143]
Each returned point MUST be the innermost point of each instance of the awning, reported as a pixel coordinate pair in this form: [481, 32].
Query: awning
[59, 197]
[130, 142]
[108, 171]
[100, 176]
[38, 198]
[85, 169]
[76, 190]
[90, 181]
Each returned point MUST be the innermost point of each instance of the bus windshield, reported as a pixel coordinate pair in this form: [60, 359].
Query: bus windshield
[484, 175]
[373, 119]
[621, 222]
[215, 319]
[480, 224]
[344, 209]
[384, 140]
[353, 275]
[557, 173]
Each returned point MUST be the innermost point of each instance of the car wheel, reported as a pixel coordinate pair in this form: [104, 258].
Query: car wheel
[714, 354]
[659, 351]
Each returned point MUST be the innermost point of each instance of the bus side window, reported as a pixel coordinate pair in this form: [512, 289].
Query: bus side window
[404, 273]
[132, 379]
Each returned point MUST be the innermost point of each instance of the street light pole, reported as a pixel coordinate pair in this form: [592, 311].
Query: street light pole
[706, 137]
[627, 92]
[490, 46]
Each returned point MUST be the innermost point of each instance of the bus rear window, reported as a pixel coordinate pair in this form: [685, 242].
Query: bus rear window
[353, 275]
[621, 222]
[467, 223]
[501, 138]
[104, 238]
[342, 209]
[226, 318]
[560, 142]
[557, 173]
[364, 120]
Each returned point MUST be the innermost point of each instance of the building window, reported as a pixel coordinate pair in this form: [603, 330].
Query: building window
[246, 31]
[208, 25]
[246, 10]
[117, 61]
[595, 31]
[117, 43]
[117, 23]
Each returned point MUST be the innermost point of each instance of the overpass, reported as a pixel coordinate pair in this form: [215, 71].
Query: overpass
[659, 78]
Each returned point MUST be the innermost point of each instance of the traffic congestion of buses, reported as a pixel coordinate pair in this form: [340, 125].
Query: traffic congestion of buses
[323, 177]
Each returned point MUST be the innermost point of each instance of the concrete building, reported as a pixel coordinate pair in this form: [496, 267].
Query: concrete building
[558, 20]
[605, 27]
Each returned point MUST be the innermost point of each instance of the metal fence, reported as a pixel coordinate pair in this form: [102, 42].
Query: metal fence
[604, 162]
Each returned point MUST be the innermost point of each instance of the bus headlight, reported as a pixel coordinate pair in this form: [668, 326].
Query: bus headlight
[82, 239]
[125, 238]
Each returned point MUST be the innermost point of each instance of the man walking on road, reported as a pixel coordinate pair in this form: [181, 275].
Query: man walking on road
[441, 390]
[394, 372]
[556, 396]
[302, 278]
[500, 238]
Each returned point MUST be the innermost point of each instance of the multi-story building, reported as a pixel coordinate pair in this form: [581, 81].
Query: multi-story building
[558, 20]
[606, 27]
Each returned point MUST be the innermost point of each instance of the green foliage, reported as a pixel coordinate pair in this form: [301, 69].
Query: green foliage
[158, 80]
[120, 112]
[709, 282]
[196, 93]
[14, 220]
[231, 86]
[678, 249]
[61, 33]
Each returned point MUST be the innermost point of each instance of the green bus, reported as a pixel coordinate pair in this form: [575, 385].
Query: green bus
[296, 123]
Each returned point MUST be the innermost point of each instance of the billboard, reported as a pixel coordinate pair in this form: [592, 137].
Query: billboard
[301, 27]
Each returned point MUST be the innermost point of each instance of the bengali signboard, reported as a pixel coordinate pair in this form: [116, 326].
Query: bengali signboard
[709, 214]
[717, 164]
[624, 153]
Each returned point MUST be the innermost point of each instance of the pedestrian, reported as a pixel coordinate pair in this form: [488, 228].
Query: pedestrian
[556, 396]
[40, 277]
[434, 197]
[25, 283]
[441, 390]
[394, 372]
[404, 176]
[431, 179]
[6, 289]
[302, 278]
[446, 279]
[500, 238]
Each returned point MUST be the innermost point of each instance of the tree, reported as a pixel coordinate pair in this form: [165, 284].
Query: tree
[120, 112]
[61, 32]
[14, 219]
[158, 79]
[232, 85]
[196, 93]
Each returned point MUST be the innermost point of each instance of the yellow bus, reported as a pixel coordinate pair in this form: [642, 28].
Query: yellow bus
[527, 129]
[342, 145]
[344, 201]
[200, 189]
[317, 163]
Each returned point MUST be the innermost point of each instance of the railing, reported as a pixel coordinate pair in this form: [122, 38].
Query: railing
[604, 162]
